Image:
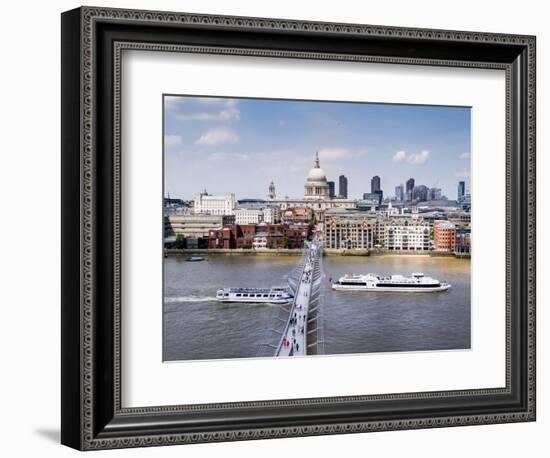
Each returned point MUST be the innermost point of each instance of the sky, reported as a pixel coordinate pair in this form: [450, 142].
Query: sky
[239, 145]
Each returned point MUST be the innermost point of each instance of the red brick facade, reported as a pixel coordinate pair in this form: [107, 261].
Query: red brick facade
[444, 236]
[247, 236]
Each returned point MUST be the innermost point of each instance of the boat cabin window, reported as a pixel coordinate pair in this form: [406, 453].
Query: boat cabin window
[238, 294]
[226, 294]
[265, 295]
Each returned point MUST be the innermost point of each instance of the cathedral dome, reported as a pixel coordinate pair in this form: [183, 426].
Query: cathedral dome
[316, 174]
[316, 186]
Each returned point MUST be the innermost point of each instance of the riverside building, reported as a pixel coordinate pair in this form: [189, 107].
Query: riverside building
[407, 235]
[255, 215]
[207, 204]
[350, 230]
[194, 226]
[444, 236]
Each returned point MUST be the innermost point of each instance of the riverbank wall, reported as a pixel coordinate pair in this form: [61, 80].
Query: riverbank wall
[299, 251]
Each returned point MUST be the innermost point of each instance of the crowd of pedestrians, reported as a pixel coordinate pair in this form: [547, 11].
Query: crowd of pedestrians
[298, 320]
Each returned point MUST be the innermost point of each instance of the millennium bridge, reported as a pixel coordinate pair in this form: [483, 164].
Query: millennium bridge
[298, 326]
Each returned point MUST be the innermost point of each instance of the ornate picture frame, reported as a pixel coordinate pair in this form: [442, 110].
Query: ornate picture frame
[93, 416]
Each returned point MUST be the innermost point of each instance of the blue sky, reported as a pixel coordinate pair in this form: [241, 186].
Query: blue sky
[239, 145]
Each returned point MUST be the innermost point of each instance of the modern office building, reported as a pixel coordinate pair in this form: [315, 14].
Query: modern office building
[420, 193]
[372, 197]
[463, 244]
[434, 194]
[409, 189]
[375, 184]
[343, 187]
[399, 193]
[331, 189]
[465, 201]
[461, 190]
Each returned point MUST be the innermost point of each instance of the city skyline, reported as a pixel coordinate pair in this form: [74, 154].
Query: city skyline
[240, 145]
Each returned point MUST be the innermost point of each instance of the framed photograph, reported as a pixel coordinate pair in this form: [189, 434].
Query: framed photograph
[278, 228]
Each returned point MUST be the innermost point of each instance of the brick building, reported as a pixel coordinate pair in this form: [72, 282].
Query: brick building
[298, 215]
[258, 236]
[444, 236]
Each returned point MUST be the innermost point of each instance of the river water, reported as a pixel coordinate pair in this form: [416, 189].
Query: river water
[196, 326]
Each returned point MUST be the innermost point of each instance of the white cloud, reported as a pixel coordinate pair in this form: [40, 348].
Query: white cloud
[218, 136]
[172, 140]
[215, 109]
[223, 156]
[418, 158]
[332, 154]
[464, 156]
[399, 156]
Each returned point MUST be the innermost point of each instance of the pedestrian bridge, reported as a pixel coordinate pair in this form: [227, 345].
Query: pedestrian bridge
[298, 326]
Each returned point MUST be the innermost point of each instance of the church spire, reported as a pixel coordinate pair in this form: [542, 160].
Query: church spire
[317, 159]
[271, 194]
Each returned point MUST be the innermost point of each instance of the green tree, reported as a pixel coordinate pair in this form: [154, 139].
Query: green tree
[180, 241]
[287, 243]
[313, 217]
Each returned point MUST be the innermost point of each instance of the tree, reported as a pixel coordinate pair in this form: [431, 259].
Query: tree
[287, 243]
[313, 218]
[180, 241]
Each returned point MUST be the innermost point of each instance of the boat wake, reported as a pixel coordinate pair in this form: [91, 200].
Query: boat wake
[177, 299]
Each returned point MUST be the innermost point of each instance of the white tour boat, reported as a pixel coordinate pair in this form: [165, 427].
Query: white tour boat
[274, 295]
[416, 283]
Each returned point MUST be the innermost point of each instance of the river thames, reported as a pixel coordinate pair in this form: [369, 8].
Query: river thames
[196, 326]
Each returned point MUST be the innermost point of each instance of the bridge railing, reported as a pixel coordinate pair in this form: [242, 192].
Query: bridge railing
[316, 340]
[280, 318]
[279, 321]
[295, 289]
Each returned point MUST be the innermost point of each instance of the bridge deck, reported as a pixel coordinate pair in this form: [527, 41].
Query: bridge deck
[294, 339]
